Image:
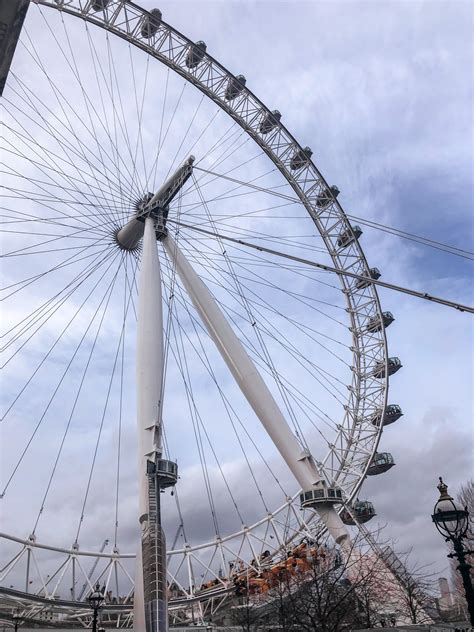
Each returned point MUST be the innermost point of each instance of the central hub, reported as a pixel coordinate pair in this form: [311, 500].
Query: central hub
[155, 206]
[151, 206]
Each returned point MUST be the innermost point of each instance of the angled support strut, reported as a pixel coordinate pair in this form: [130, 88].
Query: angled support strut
[252, 385]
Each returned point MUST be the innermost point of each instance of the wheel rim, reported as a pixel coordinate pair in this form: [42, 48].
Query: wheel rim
[356, 442]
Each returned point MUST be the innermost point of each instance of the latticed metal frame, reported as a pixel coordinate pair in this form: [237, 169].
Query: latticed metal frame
[349, 456]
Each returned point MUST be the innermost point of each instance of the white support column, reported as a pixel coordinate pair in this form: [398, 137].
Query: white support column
[254, 388]
[149, 379]
[150, 358]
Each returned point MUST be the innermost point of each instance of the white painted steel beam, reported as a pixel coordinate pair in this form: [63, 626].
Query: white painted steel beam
[252, 385]
[149, 369]
[149, 379]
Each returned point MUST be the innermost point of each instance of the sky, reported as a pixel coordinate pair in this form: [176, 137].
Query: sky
[381, 92]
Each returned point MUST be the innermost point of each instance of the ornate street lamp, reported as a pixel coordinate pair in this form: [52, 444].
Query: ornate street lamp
[95, 601]
[453, 522]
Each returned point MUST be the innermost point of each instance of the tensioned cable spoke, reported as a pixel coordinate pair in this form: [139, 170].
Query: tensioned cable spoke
[75, 71]
[111, 256]
[68, 127]
[243, 300]
[226, 156]
[224, 139]
[353, 275]
[38, 234]
[53, 157]
[185, 135]
[104, 303]
[400, 233]
[264, 282]
[28, 217]
[78, 148]
[198, 424]
[127, 300]
[60, 99]
[295, 393]
[84, 238]
[106, 403]
[154, 164]
[88, 101]
[180, 358]
[28, 195]
[173, 116]
[201, 424]
[263, 237]
[230, 193]
[70, 203]
[45, 311]
[172, 316]
[202, 133]
[139, 110]
[303, 328]
[129, 179]
[294, 294]
[43, 415]
[302, 401]
[230, 411]
[123, 120]
[204, 358]
[278, 339]
[73, 259]
[20, 251]
[70, 260]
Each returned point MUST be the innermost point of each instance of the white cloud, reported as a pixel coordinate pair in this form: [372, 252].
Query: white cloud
[380, 94]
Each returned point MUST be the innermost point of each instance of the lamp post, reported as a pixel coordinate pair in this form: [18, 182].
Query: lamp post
[17, 619]
[95, 601]
[453, 522]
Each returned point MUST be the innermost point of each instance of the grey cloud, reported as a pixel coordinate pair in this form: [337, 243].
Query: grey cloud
[380, 96]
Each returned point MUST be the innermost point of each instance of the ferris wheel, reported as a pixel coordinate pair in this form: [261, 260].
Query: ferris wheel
[156, 220]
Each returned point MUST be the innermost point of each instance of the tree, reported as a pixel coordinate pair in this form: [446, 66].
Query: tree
[313, 586]
[413, 592]
[247, 615]
[318, 586]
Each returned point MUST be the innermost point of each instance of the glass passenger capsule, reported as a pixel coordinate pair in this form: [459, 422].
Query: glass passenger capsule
[320, 495]
[363, 509]
[394, 365]
[151, 23]
[392, 413]
[300, 158]
[381, 462]
[374, 273]
[234, 87]
[98, 5]
[326, 196]
[195, 54]
[269, 122]
[375, 323]
[348, 236]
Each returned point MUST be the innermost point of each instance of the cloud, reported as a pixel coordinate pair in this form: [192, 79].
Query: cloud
[379, 93]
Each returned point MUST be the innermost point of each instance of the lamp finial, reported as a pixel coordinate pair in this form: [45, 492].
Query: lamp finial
[443, 489]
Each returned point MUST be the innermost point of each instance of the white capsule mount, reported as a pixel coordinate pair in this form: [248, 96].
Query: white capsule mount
[153, 205]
